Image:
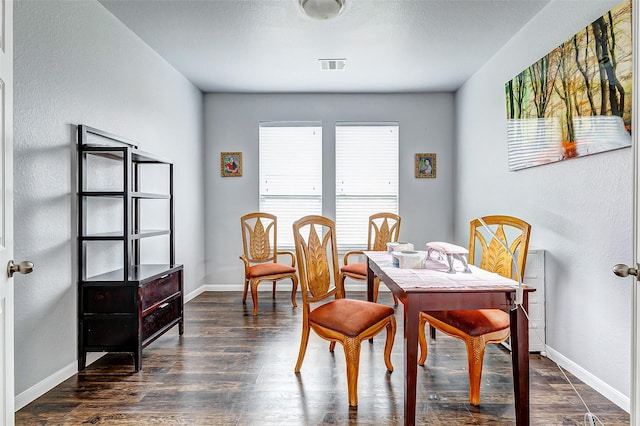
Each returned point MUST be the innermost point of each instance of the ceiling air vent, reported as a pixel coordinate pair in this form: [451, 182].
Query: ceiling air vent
[333, 64]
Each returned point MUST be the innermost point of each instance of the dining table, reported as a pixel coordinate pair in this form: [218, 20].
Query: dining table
[432, 287]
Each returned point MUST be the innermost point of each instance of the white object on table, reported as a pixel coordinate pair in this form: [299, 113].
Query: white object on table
[399, 246]
[409, 259]
[451, 251]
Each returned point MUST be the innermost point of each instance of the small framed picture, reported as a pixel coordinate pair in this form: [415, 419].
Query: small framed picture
[425, 165]
[230, 164]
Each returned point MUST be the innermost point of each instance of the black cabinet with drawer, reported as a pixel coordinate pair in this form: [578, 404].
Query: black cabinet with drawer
[133, 303]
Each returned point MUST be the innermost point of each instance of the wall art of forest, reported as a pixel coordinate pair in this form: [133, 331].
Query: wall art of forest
[576, 100]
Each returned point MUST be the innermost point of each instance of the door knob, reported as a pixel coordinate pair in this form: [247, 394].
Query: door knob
[23, 267]
[623, 270]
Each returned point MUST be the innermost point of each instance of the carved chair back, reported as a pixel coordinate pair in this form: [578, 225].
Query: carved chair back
[383, 228]
[259, 237]
[513, 232]
[317, 259]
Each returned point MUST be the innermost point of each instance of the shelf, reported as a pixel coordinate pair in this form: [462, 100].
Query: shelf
[150, 233]
[124, 309]
[118, 153]
[103, 236]
[106, 194]
[120, 194]
[150, 196]
[117, 236]
[136, 274]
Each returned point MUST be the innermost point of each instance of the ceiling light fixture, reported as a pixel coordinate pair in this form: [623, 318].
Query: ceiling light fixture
[322, 9]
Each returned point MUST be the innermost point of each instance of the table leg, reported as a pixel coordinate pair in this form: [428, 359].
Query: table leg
[370, 279]
[520, 360]
[411, 323]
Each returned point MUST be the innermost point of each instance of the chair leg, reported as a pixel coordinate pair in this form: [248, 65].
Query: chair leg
[376, 288]
[303, 347]
[254, 295]
[475, 356]
[293, 291]
[273, 291]
[332, 346]
[352, 355]
[432, 331]
[244, 293]
[388, 346]
[422, 339]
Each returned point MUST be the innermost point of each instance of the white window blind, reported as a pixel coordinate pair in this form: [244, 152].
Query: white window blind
[290, 173]
[366, 178]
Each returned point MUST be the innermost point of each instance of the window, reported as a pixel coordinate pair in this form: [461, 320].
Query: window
[366, 178]
[290, 173]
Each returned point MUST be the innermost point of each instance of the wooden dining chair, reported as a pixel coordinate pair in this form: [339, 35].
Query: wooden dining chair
[481, 327]
[260, 258]
[326, 311]
[383, 228]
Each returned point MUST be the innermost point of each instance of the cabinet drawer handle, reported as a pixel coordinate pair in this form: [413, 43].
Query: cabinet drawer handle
[164, 276]
[164, 305]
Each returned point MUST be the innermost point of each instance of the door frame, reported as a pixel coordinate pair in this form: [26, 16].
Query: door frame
[635, 320]
[7, 346]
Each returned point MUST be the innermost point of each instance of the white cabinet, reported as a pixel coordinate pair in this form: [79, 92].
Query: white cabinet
[534, 277]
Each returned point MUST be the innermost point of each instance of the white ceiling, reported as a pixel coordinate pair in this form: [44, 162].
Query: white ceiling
[271, 46]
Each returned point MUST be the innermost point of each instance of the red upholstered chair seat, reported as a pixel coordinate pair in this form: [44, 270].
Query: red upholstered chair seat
[474, 323]
[359, 268]
[265, 269]
[349, 317]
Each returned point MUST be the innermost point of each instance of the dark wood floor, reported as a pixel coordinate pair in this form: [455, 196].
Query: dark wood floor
[231, 368]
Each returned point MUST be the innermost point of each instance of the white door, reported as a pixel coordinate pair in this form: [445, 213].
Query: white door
[620, 269]
[6, 211]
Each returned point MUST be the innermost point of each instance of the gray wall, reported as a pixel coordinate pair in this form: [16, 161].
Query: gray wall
[76, 63]
[580, 210]
[231, 124]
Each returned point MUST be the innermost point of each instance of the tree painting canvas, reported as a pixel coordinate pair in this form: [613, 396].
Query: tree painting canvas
[576, 100]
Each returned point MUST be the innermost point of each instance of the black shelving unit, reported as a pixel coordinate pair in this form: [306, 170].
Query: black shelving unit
[123, 304]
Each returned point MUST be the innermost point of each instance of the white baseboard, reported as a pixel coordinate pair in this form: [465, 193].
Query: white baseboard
[603, 388]
[44, 386]
[197, 292]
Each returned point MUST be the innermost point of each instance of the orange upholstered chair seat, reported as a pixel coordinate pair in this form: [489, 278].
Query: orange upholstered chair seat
[359, 268]
[349, 317]
[270, 269]
[474, 323]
